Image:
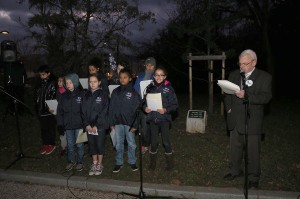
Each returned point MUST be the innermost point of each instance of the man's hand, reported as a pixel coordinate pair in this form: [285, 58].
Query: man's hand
[147, 110]
[240, 94]
[162, 110]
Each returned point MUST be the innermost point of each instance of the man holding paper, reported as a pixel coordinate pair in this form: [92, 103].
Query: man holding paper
[256, 92]
[160, 119]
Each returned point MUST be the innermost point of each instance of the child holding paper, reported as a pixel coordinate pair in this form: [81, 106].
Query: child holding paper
[95, 121]
[122, 114]
[161, 119]
[69, 119]
[46, 90]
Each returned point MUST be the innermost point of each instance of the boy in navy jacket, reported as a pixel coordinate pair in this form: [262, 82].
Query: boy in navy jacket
[122, 114]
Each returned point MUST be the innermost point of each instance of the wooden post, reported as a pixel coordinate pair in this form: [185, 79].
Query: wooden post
[191, 81]
[209, 58]
[223, 77]
[211, 87]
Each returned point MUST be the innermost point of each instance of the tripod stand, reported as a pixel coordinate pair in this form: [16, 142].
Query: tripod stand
[142, 194]
[20, 154]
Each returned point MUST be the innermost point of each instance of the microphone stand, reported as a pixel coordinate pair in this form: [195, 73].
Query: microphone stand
[20, 155]
[141, 194]
[247, 116]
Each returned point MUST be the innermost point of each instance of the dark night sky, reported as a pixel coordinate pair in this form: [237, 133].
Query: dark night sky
[10, 10]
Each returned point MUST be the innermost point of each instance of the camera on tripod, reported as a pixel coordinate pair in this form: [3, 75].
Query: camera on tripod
[8, 51]
[14, 74]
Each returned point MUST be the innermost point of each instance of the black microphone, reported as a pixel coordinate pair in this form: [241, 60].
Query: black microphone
[147, 89]
[243, 75]
[150, 85]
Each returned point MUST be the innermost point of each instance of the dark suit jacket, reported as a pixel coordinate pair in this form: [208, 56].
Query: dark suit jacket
[259, 94]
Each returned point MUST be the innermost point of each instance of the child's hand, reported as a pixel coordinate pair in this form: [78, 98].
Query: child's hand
[112, 128]
[94, 130]
[89, 128]
[148, 110]
[132, 130]
[51, 110]
[162, 110]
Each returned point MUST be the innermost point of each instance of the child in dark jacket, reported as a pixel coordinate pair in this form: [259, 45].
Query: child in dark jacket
[46, 90]
[62, 135]
[95, 68]
[161, 119]
[69, 119]
[95, 121]
[122, 114]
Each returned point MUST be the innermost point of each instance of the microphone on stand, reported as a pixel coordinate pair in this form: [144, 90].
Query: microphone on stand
[243, 75]
[150, 85]
[147, 89]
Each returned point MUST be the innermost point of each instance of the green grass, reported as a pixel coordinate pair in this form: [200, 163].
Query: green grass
[200, 159]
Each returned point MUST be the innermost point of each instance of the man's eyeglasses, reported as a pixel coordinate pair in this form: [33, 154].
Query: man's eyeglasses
[244, 64]
[159, 75]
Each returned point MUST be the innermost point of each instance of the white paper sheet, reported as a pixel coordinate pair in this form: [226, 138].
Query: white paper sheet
[154, 101]
[52, 104]
[113, 137]
[84, 83]
[91, 133]
[112, 87]
[143, 85]
[228, 87]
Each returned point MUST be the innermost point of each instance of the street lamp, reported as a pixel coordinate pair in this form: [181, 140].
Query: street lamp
[4, 32]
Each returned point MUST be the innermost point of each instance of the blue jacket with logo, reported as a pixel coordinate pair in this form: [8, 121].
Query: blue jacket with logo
[123, 106]
[94, 109]
[69, 110]
[169, 102]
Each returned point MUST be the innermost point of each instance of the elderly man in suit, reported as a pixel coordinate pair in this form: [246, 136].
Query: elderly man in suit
[256, 92]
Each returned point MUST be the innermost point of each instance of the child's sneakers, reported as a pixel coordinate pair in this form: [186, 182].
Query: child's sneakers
[49, 149]
[96, 169]
[134, 167]
[70, 166]
[144, 149]
[79, 166]
[93, 169]
[99, 169]
[117, 168]
[43, 149]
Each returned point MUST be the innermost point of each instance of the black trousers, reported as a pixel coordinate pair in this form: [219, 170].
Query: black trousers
[145, 129]
[164, 129]
[237, 142]
[48, 129]
[97, 143]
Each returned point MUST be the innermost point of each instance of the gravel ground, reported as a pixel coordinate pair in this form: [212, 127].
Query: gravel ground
[15, 190]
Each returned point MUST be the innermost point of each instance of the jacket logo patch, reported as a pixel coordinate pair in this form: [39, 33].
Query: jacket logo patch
[166, 90]
[98, 100]
[128, 95]
[78, 100]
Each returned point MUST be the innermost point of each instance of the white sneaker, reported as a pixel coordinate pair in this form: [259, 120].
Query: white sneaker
[93, 169]
[99, 169]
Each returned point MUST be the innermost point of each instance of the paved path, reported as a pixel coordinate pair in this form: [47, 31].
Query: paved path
[17, 190]
[22, 184]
